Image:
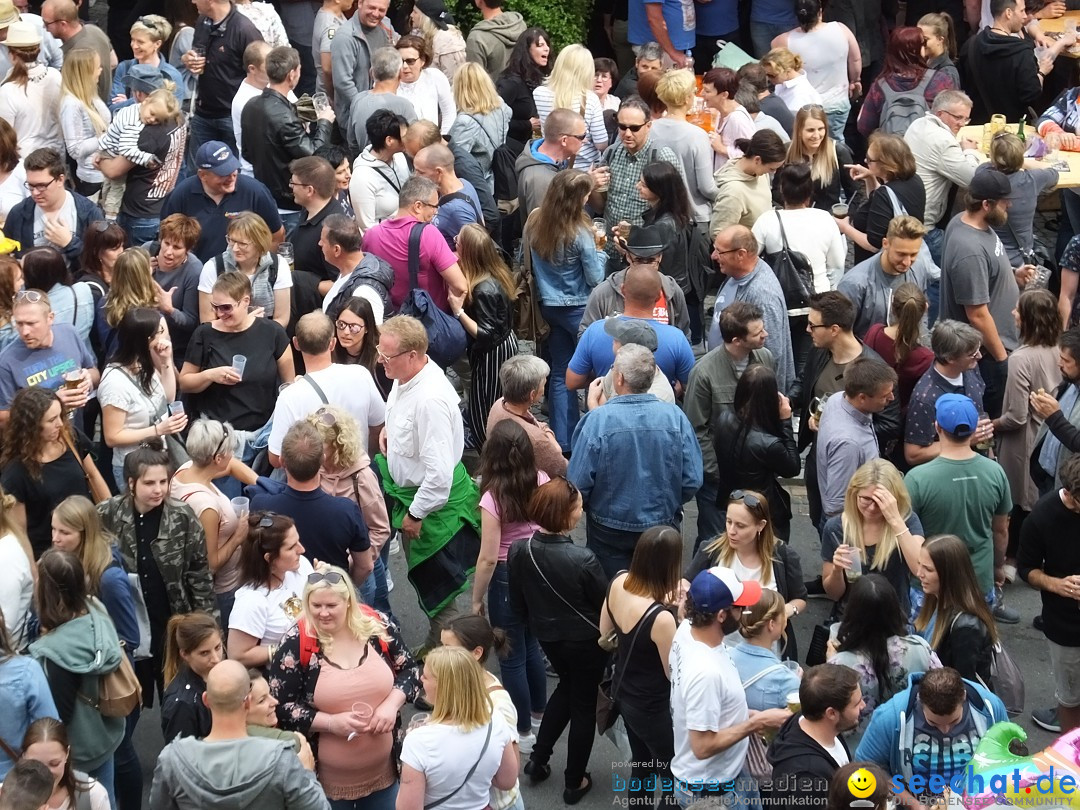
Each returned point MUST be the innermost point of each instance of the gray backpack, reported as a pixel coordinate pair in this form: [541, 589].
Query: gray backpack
[901, 108]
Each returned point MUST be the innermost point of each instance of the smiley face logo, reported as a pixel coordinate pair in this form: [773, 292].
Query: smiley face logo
[862, 783]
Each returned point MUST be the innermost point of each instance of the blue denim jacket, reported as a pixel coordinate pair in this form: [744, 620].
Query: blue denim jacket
[567, 281]
[769, 691]
[25, 696]
[636, 461]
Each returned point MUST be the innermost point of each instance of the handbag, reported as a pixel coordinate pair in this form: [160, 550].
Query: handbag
[178, 454]
[1043, 262]
[1006, 679]
[91, 482]
[607, 707]
[119, 691]
[793, 271]
[446, 335]
[468, 776]
[757, 763]
[529, 323]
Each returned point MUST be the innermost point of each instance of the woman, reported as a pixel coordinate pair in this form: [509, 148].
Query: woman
[749, 547]
[677, 91]
[426, 87]
[524, 380]
[567, 263]
[905, 70]
[11, 281]
[30, 93]
[880, 797]
[44, 461]
[939, 44]
[526, 69]
[443, 39]
[954, 616]
[765, 678]
[12, 175]
[341, 654]
[339, 159]
[509, 476]
[461, 722]
[890, 166]
[873, 640]
[46, 269]
[570, 87]
[244, 399]
[357, 338]
[756, 441]
[25, 692]
[898, 343]
[249, 252]
[482, 119]
[486, 311]
[605, 78]
[83, 116]
[828, 158]
[103, 243]
[77, 646]
[262, 718]
[743, 190]
[192, 648]
[790, 82]
[46, 741]
[380, 171]
[557, 588]
[830, 53]
[718, 88]
[17, 585]
[133, 287]
[1032, 367]
[638, 608]
[210, 445]
[148, 35]
[1027, 185]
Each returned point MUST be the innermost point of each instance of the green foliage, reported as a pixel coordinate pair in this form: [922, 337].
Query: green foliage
[565, 20]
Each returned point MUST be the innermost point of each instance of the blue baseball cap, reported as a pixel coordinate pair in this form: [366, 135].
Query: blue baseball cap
[217, 157]
[717, 588]
[956, 414]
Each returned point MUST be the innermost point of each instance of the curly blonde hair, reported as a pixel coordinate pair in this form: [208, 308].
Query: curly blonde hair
[341, 435]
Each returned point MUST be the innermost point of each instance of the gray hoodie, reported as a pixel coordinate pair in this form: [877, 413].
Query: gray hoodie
[490, 41]
[245, 774]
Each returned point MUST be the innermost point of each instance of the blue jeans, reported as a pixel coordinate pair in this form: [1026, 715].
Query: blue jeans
[838, 116]
[613, 547]
[104, 773]
[522, 670]
[563, 406]
[208, 129]
[373, 589]
[935, 241]
[224, 603]
[384, 799]
[762, 35]
[118, 476]
[140, 230]
[290, 220]
[127, 775]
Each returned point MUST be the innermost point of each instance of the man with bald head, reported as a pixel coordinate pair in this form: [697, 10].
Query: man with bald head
[459, 203]
[423, 133]
[750, 279]
[228, 768]
[564, 131]
[61, 19]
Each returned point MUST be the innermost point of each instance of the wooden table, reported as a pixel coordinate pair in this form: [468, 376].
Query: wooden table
[1069, 179]
[1057, 25]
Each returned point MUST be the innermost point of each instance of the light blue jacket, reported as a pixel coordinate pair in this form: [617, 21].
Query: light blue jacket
[120, 88]
[769, 691]
[25, 696]
[571, 276]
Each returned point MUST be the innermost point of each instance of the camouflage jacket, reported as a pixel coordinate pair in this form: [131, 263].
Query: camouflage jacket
[179, 551]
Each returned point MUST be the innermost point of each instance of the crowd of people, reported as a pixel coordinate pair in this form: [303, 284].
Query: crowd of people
[288, 289]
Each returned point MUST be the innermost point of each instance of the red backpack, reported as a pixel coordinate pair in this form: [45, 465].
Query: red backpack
[309, 644]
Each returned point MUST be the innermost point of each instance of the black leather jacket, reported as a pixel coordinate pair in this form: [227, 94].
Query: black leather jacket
[572, 572]
[490, 308]
[967, 648]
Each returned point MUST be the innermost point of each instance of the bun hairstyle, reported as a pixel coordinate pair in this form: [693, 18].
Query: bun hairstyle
[770, 607]
[765, 144]
[807, 13]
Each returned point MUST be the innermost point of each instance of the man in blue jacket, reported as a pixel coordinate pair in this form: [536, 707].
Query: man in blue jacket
[927, 733]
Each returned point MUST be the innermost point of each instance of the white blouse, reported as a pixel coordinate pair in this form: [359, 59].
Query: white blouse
[432, 98]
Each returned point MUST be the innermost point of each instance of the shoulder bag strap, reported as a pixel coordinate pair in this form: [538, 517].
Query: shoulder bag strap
[486, 135]
[897, 206]
[528, 545]
[415, 235]
[656, 607]
[12, 754]
[396, 186]
[783, 233]
[755, 678]
[468, 776]
[318, 390]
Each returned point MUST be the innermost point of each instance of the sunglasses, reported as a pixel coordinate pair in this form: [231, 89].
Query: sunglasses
[326, 417]
[266, 521]
[631, 127]
[749, 498]
[332, 577]
[569, 485]
[224, 309]
[221, 444]
[33, 296]
[411, 62]
[351, 328]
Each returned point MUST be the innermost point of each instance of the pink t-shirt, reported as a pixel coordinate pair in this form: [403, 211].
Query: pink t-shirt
[389, 240]
[512, 532]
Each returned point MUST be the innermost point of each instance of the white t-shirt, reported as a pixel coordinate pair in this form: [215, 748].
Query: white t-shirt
[706, 695]
[812, 232]
[503, 705]
[365, 291]
[244, 93]
[267, 615]
[351, 388]
[16, 587]
[837, 752]
[67, 215]
[446, 753]
[140, 409]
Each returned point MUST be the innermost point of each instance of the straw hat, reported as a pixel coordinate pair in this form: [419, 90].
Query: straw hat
[22, 35]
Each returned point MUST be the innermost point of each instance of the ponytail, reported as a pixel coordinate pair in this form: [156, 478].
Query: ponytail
[942, 25]
[765, 144]
[908, 309]
[185, 632]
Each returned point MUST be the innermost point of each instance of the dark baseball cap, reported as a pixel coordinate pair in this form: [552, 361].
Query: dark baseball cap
[217, 157]
[989, 184]
[632, 330]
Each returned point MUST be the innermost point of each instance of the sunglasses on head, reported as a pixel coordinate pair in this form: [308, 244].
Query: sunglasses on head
[631, 127]
[326, 417]
[748, 498]
[332, 577]
[33, 296]
[266, 521]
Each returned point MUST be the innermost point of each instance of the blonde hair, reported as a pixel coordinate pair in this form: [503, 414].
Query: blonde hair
[572, 77]
[474, 92]
[153, 27]
[676, 89]
[721, 551]
[905, 227]
[462, 698]
[95, 552]
[823, 163]
[480, 260]
[363, 625]
[164, 100]
[253, 228]
[428, 30]
[342, 438]
[877, 472]
[77, 80]
[410, 333]
[782, 60]
[1006, 152]
[770, 607]
[9, 526]
[132, 286]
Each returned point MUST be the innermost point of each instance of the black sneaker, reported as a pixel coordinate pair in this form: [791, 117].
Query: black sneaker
[815, 589]
[1047, 719]
[1037, 623]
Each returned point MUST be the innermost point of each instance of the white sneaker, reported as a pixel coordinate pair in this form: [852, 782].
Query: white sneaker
[389, 581]
[526, 743]
[395, 547]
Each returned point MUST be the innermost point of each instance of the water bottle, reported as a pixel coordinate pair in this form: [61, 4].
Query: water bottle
[690, 62]
[856, 563]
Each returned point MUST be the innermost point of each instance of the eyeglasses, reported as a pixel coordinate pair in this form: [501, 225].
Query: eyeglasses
[580, 137]
[237, 243]
[33, 296]
[809, 107]
[326, 417]
[351, 328]
[961, 119]
[412, 61]
[386, 357]
[725, 252]
[749, 498]
[39, 186]
[975, 355]
[427, 204]
[631, 127]
[813, 326]
[223, 309]
[333, 577]
[294, 185]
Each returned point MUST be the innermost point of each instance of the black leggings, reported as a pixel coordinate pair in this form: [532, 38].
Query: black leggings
[652, 747]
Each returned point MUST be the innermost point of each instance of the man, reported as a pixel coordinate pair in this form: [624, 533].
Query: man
[711, 390]
[328, 19]
[490, 41]
[61, 19]
[594, 356]
[810, 747]
[1053, 567]
[331, 528]
[176, 279]
[846, 437]
[754, 75]
[274, 135]
[27, 786]
[51, 215]
[927, 734]
[251, 87]
[1058, 438]
[750, 279]
[941, 160]
[438, 272]
[350, 54]
[216, 194]
[635, 462]
[228, 768]
[648, 58]
[542, 159]
[666, 23]
[708, 704]
[1002, 64]
[222, 35]
[385, 79]
[956, 355]
[51, 54]
[314, 187]
[459, 204]
[434, 501]
[425, 133]
[360, 274]
[870, 284]
[963, 493]
[523, 379]
[42, 354]
[977, 284]
[625, 331]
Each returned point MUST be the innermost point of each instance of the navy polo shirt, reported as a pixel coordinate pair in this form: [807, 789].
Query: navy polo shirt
[189, 198]
[330, 527]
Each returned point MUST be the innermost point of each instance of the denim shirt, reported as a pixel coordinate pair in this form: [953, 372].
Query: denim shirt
[770, 691]
[25, 696]
[567, 281]
[636, 461]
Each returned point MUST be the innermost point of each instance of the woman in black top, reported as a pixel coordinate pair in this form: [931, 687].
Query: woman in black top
[558, 587]
[828, 159]
[357, 337]
[528, 66]
[637, 609]
[192, 648]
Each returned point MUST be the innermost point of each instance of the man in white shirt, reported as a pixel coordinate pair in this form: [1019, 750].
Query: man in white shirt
[250, 87]
[435, 502]
[708, 704]
[324, 382]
